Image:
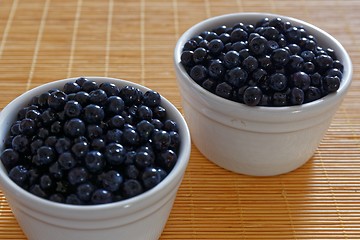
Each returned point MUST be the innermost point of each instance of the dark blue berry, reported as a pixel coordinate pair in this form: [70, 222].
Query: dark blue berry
[89, 86]
[84, 191]
[187, 58]
[82, 98]
[252, 96]
[231, 59]
[101, 196]
[94, 131]
[62, 145]
[9, 158]
[115, 153]
[215, 46]
[72, 109]
[77, 176]
[279, 99]
[297, 96]
[45, 156]
[130, 137]
[198, 73]
[257, 45]
[312, 94]
[66, 161]
[300, 80]
[167, 159]
[150, 178]
[115, 105]
[46, 182]
[80, 149]
[132, 188]
[93, 114]
[224, 90]
[131, 172]
[111, 180]
[57, 100]
[331, 84]
[19, 174]
[37, 191]
[216, 69]
[250, 64]
[94, 161]
[71, 87]
[280, 57]
[236, 77]
[75, 127]
[143, 159]
[98, 97]
[110, 89]
[278, 81]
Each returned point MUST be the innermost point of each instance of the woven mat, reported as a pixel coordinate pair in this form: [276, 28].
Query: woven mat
[45, 40]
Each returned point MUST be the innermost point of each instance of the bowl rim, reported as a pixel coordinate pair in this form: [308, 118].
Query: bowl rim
[126, 204]
[233, 18]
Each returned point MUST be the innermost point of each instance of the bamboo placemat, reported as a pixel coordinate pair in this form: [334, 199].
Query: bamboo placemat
[45, 40]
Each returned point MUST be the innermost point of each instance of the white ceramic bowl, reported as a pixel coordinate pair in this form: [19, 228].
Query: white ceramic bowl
[259, 141]
[140, 217]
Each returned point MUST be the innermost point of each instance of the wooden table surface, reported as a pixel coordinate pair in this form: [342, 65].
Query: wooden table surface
[46, 40]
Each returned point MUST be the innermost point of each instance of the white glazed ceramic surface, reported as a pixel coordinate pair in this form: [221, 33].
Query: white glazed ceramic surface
[141, 217]
[259, 141]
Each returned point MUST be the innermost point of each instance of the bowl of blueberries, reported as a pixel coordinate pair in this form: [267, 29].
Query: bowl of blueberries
[259, 90]
[92, 158]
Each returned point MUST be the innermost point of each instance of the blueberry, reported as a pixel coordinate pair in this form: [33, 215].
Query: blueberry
[94, 161]
[215, 46]
[216, 69]
[73, 199]
[48, 116]
[252, 96]
[33, 114]
[19, 174]
[312, 94]
[98, 97]
[167, 159]
[82, 97]
[45, 156]
[115, 153]
[296, 63]
[280, 57]
[27, 126]
[72, 109]
[278, 81]
[111, 180]
[131, 172]
[293, 34]
[144, 113]
[10, 158]
[250, 64]
[80, 149]
[35, 145]
[143, 159]
[74, 127]
[159, 112]
[331, 84]
[57, 197]
[89, 86]
[300, 80]
[94, 131]
[46, 182]
[279, 99]
[129, 95]
[231, 59]
[132, 188]
[115, 105]
[84, 191]
[198, 73]
[130, 136]
[56, 127]
[71, 87]
[145, 129]
[187, 58]
[200, 55]
[307, 55]
[66, 161]
[150, 178]
[223, 90]
[297, 96]
[258, 45]
[110, 89]
[236, 77]
[98, 144]
[101, 196]
[324, 62]
[62, 145]
[77, 176]
[57, 100]
[114, 135]
[55, 170]
[93, 114]
[238, 34]
[37, 191]
[161, 140]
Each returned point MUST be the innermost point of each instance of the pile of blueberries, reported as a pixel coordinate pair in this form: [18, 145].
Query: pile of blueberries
[271, 63]
[91, 143]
